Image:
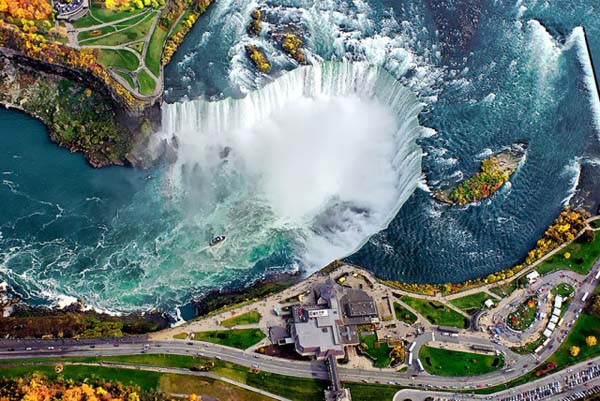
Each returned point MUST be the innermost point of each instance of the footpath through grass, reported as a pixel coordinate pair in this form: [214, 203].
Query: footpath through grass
[403, 314]
[130, 34]
[471, 303]
[444, 362]
[206, 386]
[505, 290]
[436, 312]
[582, 257]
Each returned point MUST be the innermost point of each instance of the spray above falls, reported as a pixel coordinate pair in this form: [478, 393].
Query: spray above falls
[319, 160]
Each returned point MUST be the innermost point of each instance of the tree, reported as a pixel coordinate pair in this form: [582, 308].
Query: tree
[574, 350]
[595, 306]
[591, 341]
[587, 236]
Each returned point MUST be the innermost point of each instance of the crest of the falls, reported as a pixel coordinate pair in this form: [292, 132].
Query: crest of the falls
[325, 155]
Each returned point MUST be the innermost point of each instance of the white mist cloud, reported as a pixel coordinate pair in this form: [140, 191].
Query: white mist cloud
[315, 150]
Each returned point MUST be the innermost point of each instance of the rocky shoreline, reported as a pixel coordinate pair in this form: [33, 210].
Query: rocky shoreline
[75, 321]
[77, 109]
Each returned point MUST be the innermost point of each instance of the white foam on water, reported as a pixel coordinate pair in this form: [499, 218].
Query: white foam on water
[573, 169]
[578, 38]
[544, 54]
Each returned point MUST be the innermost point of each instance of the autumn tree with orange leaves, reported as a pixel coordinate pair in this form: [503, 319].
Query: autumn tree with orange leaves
[26, 9]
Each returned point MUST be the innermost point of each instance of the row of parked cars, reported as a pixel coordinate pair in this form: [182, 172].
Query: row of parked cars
[537, 393]
[584, 376]
[587, 393]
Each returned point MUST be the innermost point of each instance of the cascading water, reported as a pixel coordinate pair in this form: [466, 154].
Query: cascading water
[324, 157]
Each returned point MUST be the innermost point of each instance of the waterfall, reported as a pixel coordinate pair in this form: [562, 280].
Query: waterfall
[326, 154]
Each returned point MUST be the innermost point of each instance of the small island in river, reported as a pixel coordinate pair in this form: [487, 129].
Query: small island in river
[495, 172]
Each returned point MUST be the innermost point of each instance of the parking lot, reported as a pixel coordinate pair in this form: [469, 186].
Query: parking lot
[582, 394]
[584, 376]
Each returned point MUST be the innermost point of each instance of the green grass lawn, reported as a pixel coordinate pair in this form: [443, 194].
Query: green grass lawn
[155, 48]
[144, 379]
[371, 392]
[240, 338]
[251, 317]
[380, 351]
[118, 58]
[595, 223]
[147, 380]
[404, 314]
[522, 316]
[216, 389]
[586, 325]
[471, 303]
[563, 289]
[86, 21]
[583, 256]
[436, 312]
[94, 33]
[129, 22]
[103, 14]
[147, 83]
[294, 388]
[443, 362]
[130, 34]
[505, 289]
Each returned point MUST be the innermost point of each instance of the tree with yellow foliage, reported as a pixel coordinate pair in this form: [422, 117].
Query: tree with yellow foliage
[591, 341]
[574, 351]
[26, 9]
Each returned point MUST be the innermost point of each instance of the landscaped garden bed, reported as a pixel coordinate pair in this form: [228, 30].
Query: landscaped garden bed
[524, 315]
[378, 351]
